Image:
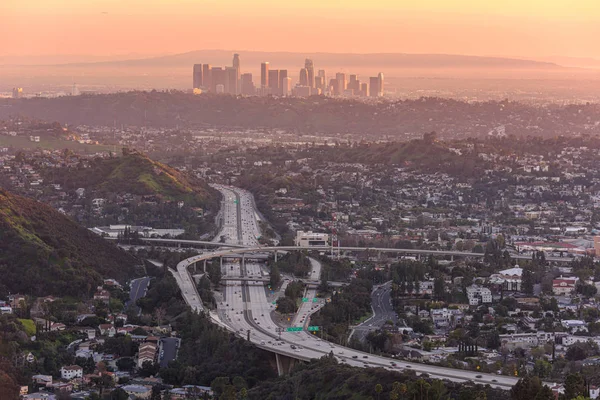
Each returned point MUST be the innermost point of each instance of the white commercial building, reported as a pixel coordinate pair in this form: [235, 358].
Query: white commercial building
[309, 239]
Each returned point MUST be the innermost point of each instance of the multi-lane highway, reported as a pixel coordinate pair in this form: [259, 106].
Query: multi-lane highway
[245, 308]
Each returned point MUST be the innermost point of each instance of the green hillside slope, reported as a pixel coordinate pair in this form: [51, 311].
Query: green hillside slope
[43, 252]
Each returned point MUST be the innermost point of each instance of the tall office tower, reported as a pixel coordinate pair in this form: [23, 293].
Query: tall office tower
[282, 79]
[236, 65]
[218, 77]
[206, 76]
[274, 82]
[373, 86]
[340, 77]
[364, 89]
[264, 77]
[248, 88]
[197, 75]
[310, 70]
[286, 87]
[333, 86]
[380, 81]
[232, 80]
[303, 78]
[320, 83]
[220, 88]
[354, 83]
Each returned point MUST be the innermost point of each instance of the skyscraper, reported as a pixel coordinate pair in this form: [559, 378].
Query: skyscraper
[264, 76]
[364, 91]
[282, 81]
[206, 76]
[310, 70]
[248, 88]
[274, 82]
[376, 85]
[303, 78]
[236, 65]
[197, 76]
[320, 83]
[354, 83]
[286, 87]
[340, 77]
[231, 85]
[373, 86]
[218, 77]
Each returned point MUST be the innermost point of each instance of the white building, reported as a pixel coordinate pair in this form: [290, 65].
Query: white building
[309, 239]
[71, 372]
[562, 286]
[574, 325]
[478, 295]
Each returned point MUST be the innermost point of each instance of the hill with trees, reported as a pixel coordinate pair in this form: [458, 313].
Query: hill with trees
[315, 115]
[137, 174]
[43, 252]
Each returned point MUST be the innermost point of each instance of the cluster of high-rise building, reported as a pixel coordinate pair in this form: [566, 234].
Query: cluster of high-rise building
[277, 82]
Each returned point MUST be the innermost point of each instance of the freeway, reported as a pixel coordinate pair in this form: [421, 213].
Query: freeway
[246, 310]
[381, 303]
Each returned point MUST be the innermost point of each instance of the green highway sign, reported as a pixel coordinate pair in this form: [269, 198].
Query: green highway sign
[315, 300]
[305, 299]
[274, 302]
[313, 328]
[294, 329]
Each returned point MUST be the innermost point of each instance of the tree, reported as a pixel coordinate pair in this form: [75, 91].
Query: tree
[148, 369]
[378, 390]
[275, 277]
[125, 364]
[286, 305]
[575, 386]
[526, 388]
[527, 282]
[119, 394]
[577, 352]
[438, 288]
[545, 393]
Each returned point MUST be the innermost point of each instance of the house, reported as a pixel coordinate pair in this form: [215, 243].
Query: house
[107, 330]
[564, 286]
[42, 379]
[71, 371]
[102, 295]
[478, 295]
[138, 391]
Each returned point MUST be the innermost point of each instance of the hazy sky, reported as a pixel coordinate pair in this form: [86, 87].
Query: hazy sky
[525, 28]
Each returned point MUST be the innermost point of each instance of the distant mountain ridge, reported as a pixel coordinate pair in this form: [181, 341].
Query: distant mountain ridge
[43, 252]
[293, 59]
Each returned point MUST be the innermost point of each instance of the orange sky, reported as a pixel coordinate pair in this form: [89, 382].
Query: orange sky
[525, 28]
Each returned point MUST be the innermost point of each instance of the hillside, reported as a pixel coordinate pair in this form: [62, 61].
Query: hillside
[43, 252]
[137, 174]
[425, 154]
[316, 115]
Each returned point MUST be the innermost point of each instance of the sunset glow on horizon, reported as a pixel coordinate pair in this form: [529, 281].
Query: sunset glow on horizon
[533, 28]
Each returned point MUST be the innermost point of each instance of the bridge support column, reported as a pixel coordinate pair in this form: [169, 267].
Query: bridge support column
[204, 265]
[452, 257]
[276, 255]
[243, 263]
[285, 364]
[221, 261]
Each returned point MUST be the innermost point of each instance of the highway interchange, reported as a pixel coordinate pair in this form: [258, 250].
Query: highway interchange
[246, 310]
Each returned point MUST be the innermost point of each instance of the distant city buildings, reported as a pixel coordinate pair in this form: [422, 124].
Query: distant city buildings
[17, 93]
[277, 82]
